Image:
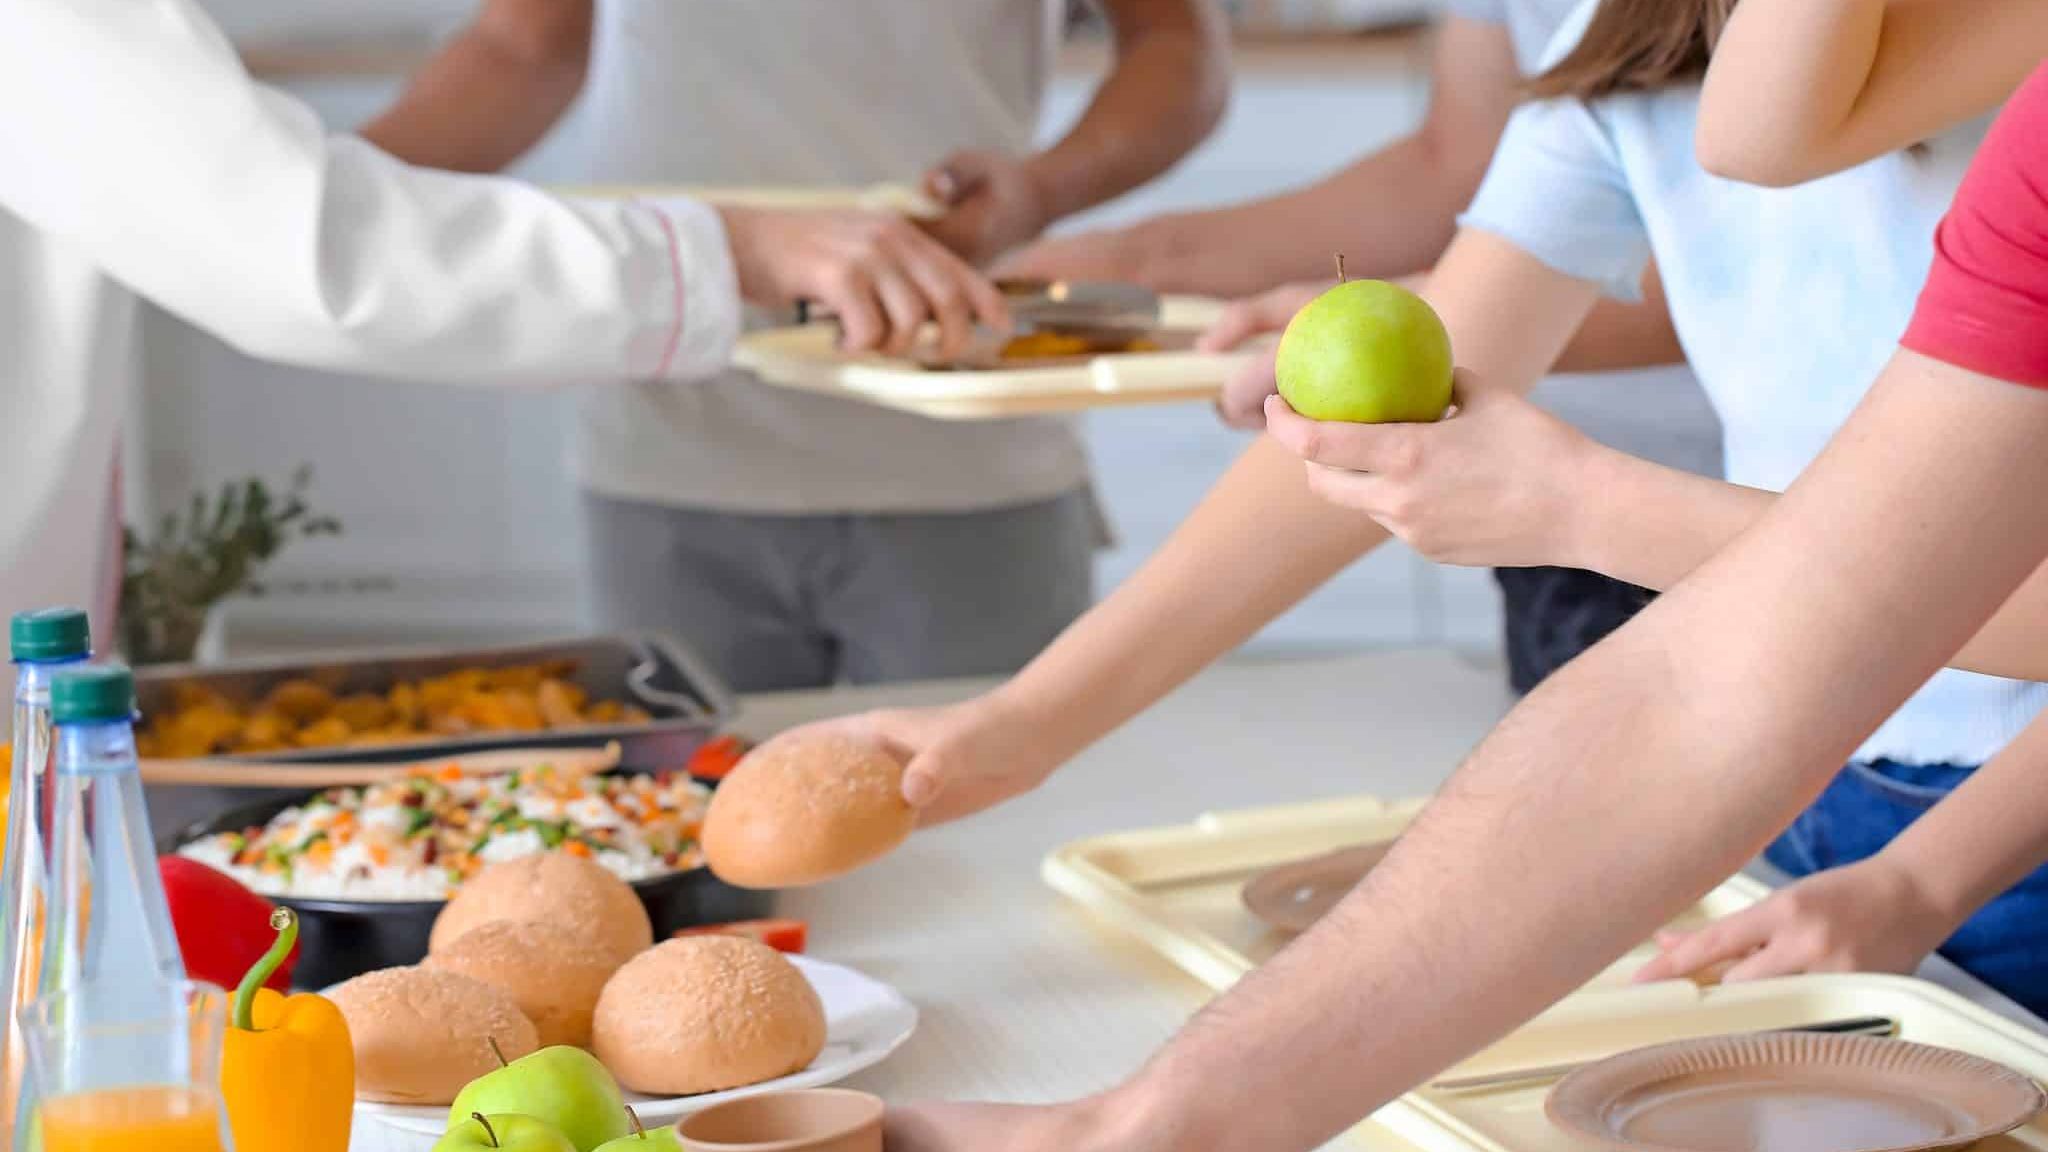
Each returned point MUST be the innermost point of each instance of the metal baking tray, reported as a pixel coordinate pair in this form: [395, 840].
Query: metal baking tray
[685, 700]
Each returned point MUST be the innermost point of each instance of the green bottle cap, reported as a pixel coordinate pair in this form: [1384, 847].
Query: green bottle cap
[49, 634]
[93, 693]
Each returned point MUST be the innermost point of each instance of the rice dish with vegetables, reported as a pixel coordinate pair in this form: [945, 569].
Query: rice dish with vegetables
[421, 837]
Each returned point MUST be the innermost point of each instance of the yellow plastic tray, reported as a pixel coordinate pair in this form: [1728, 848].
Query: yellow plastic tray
[807, 359]
[1592, 1027]
[1178, 888]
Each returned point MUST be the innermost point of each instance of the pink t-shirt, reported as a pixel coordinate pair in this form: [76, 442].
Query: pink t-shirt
[1985, 306]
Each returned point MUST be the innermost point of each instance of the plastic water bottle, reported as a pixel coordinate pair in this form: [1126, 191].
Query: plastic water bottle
[40, 643]
[108, 939]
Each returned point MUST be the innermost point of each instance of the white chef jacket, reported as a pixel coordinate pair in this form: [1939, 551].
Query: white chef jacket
[137, 158]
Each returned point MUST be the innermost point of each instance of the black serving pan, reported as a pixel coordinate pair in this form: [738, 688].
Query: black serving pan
[685, 702]
[345, 938]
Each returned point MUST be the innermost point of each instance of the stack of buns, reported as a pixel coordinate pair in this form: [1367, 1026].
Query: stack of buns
[553, 949]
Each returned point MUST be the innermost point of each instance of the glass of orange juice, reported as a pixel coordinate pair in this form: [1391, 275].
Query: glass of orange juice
[129, 1068]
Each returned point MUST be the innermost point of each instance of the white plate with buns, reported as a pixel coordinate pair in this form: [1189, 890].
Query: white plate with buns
[865, 1021]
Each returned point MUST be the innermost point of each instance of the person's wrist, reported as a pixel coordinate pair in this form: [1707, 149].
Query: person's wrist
[1592, 478]
[1023, 715]
[1926, 902]
[1149, 1113]
[741, 228]
[1047, 191]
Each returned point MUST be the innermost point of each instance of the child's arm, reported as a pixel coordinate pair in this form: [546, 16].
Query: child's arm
[1800, 89]
[1885, 914]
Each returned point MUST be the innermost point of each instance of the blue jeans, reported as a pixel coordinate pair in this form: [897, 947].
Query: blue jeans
[2005, 944]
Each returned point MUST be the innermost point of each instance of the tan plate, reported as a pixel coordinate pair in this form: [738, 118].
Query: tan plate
[1793, 1093]
[1294, 896]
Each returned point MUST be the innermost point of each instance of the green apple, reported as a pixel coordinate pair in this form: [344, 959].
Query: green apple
[1366, 352]
[663, 1139]
[564, 1086]
[508, 1131]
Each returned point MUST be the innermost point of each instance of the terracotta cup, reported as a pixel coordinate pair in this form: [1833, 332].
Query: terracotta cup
[815, 1120]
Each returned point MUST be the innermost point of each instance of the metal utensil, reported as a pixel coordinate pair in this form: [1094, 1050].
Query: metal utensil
[1056, 306]
[1852, 1026]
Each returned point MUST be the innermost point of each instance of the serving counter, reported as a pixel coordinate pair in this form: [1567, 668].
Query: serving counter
[1024, 997]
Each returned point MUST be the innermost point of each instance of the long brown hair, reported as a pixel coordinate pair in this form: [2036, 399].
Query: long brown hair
[1637, 46]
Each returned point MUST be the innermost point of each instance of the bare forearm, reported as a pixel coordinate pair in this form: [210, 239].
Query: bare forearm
[1803, 88]
[1258, 543]
[492, 92]
[1619, 336]
[1168, 89]
[1738, 693]
[1983, 838]
[1390, 214]
[1653, 526]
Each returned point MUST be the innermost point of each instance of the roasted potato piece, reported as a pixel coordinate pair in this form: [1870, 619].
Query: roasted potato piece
[324, 733]
[266, 732]
[561, 703]
[302, 700]
[363, 712]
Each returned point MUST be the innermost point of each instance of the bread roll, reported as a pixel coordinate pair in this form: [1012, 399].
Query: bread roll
[806, 807]
[573, 893]
[421, 1034]
[552, 976]
[707, 1013]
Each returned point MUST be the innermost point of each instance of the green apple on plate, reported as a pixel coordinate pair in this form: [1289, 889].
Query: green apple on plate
[662, 1139]
[564, 1086]
[506, 1132]
[1366, 352]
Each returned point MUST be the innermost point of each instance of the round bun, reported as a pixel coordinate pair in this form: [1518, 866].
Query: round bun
[707, 1013]
[553, 977]
[806, 807]
[573, 893]
[421, 1034]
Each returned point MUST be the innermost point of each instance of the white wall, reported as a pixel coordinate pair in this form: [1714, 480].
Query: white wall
[458, 498]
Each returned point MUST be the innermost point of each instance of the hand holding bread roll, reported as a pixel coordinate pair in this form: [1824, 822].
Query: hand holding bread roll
[806, 807]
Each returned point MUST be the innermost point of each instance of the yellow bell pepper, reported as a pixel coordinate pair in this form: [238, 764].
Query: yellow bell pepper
[288, 1071]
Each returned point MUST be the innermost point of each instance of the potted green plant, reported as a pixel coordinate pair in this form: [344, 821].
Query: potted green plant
[203, 554]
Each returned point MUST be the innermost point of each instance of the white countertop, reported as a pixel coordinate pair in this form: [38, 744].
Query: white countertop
[1023, 997]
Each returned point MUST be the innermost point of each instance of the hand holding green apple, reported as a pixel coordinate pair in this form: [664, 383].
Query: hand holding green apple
[1366, 352]
[562, 1086]
[504, 1132]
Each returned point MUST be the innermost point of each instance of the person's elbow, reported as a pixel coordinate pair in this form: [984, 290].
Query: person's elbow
[543, 37]
[1738, 148]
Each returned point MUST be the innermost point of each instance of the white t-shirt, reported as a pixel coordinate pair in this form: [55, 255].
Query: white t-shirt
[1788, 303]
[809, 93]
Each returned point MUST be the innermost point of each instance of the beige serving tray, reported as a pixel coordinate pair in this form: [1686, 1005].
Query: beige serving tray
[1588, 1027]
[1179, 889]
[806, 358]
[899, 198]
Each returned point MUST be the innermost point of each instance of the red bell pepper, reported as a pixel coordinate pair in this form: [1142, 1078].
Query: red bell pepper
[223, 928]
[715, 758]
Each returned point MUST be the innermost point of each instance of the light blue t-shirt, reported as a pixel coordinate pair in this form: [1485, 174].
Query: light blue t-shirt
[1788, 303]
[1531, 24]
